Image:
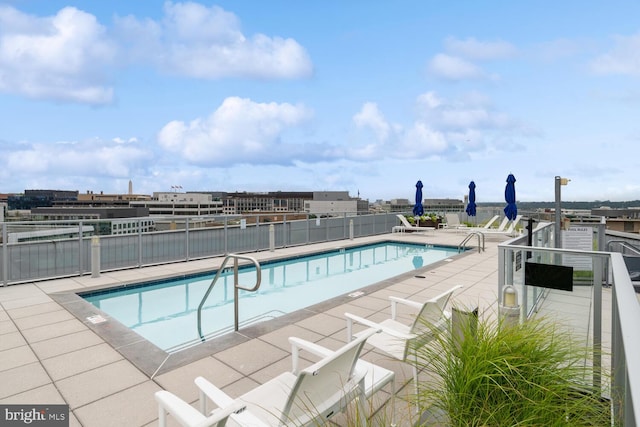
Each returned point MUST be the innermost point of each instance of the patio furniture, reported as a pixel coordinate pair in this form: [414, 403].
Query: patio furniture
[409, 227]
[500, 230]
[188, 416]
[306, 397]
[398, 339]
[452, 222]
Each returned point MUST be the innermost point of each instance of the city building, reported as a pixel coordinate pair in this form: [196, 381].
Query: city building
[335, 202]
[625, 219]
[106, 220]
[39, 198]
[273, 201]
[173, 203]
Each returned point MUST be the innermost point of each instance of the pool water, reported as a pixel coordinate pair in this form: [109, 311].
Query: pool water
[165, 312]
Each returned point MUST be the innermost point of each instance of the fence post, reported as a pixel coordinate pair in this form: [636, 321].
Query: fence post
[80, 263]
[186, 238]
[350, 229]
[95, 256]
[272, 238]
[140, 247]
[5, 256]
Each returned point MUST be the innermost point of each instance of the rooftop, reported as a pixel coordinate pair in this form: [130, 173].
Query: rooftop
[50, 356]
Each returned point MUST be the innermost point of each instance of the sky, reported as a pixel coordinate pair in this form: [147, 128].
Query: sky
[360, 96]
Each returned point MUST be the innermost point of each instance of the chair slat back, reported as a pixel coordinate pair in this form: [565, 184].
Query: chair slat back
[490, 222]
[404, 221]
[452, 219]
[503, 224]
[432, 312]
[324, 387]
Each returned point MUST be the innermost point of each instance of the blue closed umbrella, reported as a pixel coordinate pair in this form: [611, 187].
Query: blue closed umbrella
[511, 210]
[418, 210]
[471, 206]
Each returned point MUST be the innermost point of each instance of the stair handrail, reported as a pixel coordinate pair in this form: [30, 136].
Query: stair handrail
[236, 286]
[624, 244]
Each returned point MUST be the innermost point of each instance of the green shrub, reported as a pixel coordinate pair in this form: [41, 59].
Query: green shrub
[531, 374]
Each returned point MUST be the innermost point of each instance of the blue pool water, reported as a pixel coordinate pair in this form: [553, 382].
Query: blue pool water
[165, 312]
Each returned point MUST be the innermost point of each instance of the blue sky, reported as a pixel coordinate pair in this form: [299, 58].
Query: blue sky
[362, 96]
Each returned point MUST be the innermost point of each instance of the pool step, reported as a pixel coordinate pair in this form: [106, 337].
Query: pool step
[220, 332]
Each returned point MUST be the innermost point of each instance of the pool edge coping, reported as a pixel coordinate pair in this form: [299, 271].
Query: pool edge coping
[153, 361]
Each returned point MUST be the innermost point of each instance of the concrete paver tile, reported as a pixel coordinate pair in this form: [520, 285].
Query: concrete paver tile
[180, 381]
[44, 395]
[72, 363]
[323, 324]
[40, 298]
[99, 383]
[280, 337]
[243, 356]
[53, 330]
[65, 344]
[41, 319]
[18, 313]
[15, 357]
[11, 340]
[136, 406]
[21, 379]
[7, 326]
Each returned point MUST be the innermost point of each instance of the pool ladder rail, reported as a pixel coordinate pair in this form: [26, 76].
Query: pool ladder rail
[468, 237]
[236, 286]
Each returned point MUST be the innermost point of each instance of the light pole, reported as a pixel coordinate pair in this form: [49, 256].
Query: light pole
[559, 182]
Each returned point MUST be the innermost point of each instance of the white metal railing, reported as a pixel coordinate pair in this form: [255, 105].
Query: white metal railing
[625, 311]
[180, 239]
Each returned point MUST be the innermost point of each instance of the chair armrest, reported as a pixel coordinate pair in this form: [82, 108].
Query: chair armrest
[186, 414]
[381, 328]
[223, 400]
[406, 302]
[217, 396]
[298, 344]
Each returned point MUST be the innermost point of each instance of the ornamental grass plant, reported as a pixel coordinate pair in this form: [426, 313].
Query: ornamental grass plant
[494, 374]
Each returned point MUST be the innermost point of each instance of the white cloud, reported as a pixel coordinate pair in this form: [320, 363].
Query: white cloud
[370, 117]
[471, 48]
[472, 111]
[457, 62]
[239, 131]
[207, 42]
[622, 59]
[92, 158]
[60, 57]
[453, 68]
[422, 140]
[443, 128]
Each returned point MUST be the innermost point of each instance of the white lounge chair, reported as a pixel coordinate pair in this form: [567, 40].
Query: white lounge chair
[188, 416]
[398, 339]
[489, 223]
[452, 222]
[406, 226]
[501, 230]
[308, 396]
[502, 225]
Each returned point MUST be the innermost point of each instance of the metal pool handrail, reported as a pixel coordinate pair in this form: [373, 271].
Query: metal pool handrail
[469, 237]
[236, 286]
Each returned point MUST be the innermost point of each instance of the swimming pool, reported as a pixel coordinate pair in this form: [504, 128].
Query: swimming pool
[165, 312]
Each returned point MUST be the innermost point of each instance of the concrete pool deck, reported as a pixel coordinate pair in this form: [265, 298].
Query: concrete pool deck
[48, 355]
